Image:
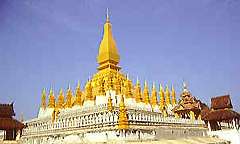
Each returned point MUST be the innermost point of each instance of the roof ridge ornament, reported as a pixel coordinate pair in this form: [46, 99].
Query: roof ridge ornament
[185, 88]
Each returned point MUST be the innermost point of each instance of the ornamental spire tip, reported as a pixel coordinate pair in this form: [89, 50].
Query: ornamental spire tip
[107, 15]
[78, 84]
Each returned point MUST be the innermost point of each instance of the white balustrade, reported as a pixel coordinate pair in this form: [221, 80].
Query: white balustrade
[99, 116]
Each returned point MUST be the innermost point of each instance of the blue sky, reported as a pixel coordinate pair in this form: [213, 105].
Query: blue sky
[55, 43]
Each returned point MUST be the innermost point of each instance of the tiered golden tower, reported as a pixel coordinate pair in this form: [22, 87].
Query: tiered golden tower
[89, 92]
[69, 98]
[167, 94]
[173, 93]
[78, 96]
[128, 89]
[60, 103]
[146, 94]
[138, 94]
[162, 98]
[108, 76]
[51, 103]
[123, 120]
[43, 100]
[109, 79]
[154, 100]
[108, 56]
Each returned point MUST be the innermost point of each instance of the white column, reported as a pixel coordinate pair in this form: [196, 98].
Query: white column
[234, 124]
[209, 127]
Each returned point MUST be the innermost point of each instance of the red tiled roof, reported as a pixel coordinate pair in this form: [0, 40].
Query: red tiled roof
[6, 110]
[221, 115]
[221, 102]
[10, 123]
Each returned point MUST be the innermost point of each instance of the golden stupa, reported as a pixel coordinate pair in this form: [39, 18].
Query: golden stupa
[109, 107]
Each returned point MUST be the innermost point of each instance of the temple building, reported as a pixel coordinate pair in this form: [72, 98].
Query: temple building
[110, 107]
[222, 112]
[11, 127]
[188, 106]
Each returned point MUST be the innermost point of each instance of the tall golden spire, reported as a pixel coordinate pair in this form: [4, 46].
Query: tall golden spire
[146, 93]
[162, 98]
[43, 99]
[60, 104]
[78, 95]
[122, 120]
[69, 98]
[108, 56]
[117, 85]
[154, 101]
[51, 103]
[173, 93]
[167, 93]
[128, 89]
[88, 91]
[137, 93]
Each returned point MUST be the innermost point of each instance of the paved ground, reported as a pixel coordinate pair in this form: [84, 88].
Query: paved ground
[190, 140]
[9, 142]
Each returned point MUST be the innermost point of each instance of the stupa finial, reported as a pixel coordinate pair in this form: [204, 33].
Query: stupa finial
[107, 15]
